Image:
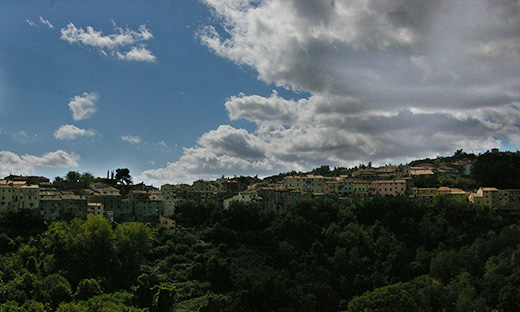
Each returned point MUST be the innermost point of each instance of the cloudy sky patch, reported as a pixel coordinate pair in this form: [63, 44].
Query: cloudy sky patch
[260, 86]
[71, 132]
[11, 163]
[114, 43]
[83, 106]
[132, 139]
[367, 66]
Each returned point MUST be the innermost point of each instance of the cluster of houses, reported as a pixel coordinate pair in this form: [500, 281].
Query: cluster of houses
[150, 204]
[142, 203]
[366, 183]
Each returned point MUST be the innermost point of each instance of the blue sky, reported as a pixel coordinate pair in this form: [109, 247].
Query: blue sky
[181, 90]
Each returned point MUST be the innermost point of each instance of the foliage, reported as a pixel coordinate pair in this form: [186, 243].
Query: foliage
[74, 181]
[87, 288]
[385, 254]
[501, 170]
[458, 182]
[123, 176]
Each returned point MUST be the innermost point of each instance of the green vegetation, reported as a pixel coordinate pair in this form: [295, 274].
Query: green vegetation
[386, 254]
[501, 170]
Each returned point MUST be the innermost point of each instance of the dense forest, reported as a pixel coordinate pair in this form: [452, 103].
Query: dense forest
[386, 254]
[501, 170]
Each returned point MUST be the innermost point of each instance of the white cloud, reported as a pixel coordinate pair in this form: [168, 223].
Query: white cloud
[31, 23]
[132, 139]
[113, 43]
[137, 54]
[71, 132]
[46, 22]
[274, 109]
[11, 163]
[225, 150]
[389, 81]
[83, 106]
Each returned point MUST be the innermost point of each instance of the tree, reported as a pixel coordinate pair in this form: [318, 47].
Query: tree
[165, 297]
[55, 289]
[73, 176]
[501, 170]
[83, 249]
[58, 181]
[86, 178]
[123, 176]
[323, 170]
[133, 241]
[396, 297]
[87, 288]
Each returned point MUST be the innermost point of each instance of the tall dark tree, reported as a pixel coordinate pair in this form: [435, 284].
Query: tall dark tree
[123, 176]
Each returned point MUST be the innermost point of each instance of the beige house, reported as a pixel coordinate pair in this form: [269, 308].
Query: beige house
[73, 206]
[202, 186]
[95, 209]
[17, 194]
[168, 223]
[295, 183]
[453, 192]
[425, 195]
[361, 188]
[392, 188]
[108, 196]
[491, 197]
[244, 197]
[428, 195]
[50, 204]
[310, 183]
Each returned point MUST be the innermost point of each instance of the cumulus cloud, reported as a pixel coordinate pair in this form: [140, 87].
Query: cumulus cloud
[83, 106]
[389, 81]
[71, 132]
[115, 44]
[226, 150]
[137, 54]
[132, 139]
[11, 163]
[369, 50]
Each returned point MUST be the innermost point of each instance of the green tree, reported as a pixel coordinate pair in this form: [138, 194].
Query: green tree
[501, 170]
[123, 176]
[133, 242]
[54, 288]
[396, 297]
[87, 288]
[86, 179]
[189, 213]
[28, 306]
[73, 176]
[82, 248]
[144, 291]
[323, 170]
[165, 298]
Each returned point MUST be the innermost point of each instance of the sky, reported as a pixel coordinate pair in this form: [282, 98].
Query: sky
[183, 90]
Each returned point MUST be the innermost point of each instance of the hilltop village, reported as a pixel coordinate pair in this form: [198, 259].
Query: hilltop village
[421, 181]
[432, 235]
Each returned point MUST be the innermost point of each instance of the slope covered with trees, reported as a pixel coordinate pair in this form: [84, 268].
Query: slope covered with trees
[501, 170]
[386, 254]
